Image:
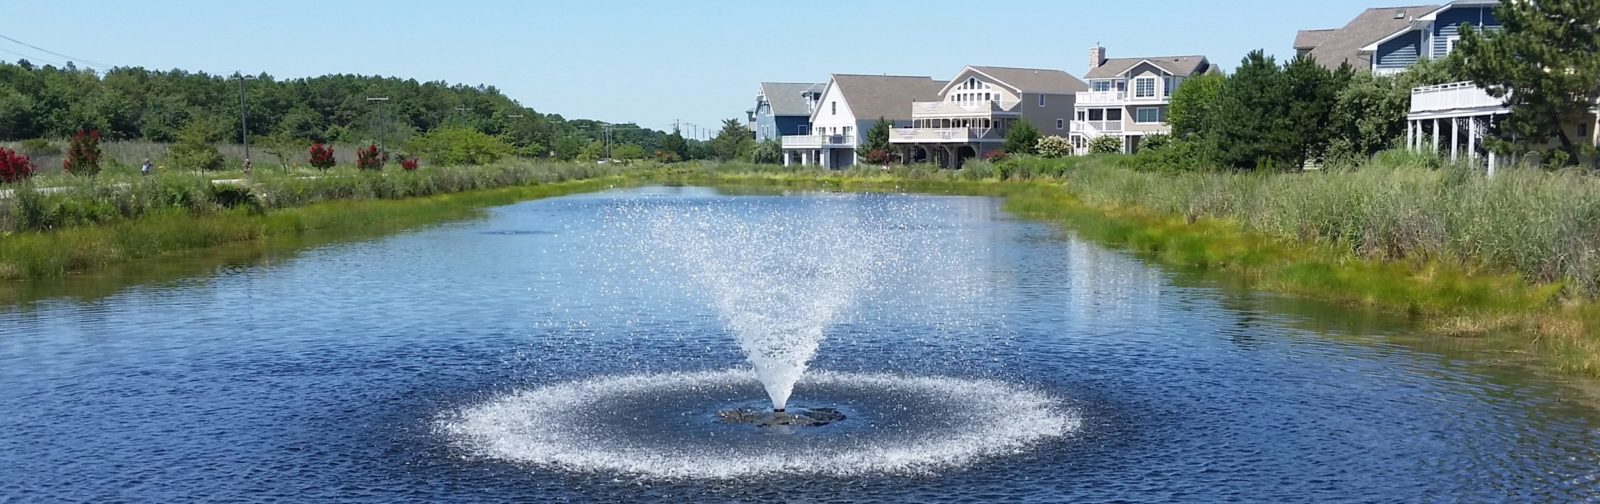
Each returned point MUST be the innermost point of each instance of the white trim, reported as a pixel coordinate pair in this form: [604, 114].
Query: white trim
[1154, 93]
[1143, 61]
[1136, 111]
[1061, 123]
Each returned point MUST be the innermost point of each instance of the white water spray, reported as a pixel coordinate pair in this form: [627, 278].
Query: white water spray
[779, 280]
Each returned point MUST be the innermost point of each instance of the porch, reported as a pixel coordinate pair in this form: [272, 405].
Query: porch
[1459, 113]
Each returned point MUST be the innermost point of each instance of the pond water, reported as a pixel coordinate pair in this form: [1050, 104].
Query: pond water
[544, 353]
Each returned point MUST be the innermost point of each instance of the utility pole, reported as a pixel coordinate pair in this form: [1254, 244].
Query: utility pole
[382, 120]
[463, 111]
[244, 127]
[516, 116]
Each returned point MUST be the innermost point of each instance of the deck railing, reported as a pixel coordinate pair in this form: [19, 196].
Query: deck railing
[1452, 96]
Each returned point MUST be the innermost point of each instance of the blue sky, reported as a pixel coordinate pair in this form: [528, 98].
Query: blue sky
[648, 62]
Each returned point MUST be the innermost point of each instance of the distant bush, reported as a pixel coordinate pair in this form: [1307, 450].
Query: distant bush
[370, 158]
[37, 147]
[408, 164]
[879, 157]
[1054, 147]
[1154, 142]
[14, 167]
[83, 154]
[459, 146]
[1105, 144]
[321, 156]
[194, 150]
[995, 155]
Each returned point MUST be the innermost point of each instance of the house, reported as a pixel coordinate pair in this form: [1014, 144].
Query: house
[784, 108]
[1128, 97]
[1450, 117]
[851, 105]
[1354, 43]
[972, 113]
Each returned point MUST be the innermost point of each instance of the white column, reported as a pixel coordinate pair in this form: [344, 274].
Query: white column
[805, 157]
[1411, 135]
[1472, 139]
[827, 158]
[786, 153]
[1455, 138]
[1491, 164]
[1436, 137]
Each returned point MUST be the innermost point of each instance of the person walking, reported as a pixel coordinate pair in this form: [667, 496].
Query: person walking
[146, 168]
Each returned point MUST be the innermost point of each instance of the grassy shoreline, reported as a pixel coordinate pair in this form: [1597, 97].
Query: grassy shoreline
[1480, 303]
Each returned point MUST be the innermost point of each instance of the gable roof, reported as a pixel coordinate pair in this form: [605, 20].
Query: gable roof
[1372, 25]
[1026, 80]
[1306, 40]
[788, 98]
[1421, 22]
[1181, 66]
[886, 96]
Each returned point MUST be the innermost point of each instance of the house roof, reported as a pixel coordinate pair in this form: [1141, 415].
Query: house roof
[788, 98]
[1429, 17]
[1374, 24]
[886, 96]
[1030, 80]
[1181, 66]
[1309, 39]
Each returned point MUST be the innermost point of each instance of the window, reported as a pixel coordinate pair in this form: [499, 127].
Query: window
[1041, 100]
[1102, 85]
[1114, 114]
[1097, 114]
[1450, 45]
[835, 106]
[1081, 115]
[1144, 87]
[804, 129]
[1061, 124]
[847, 131]
[1166, 85]
[1147, 115]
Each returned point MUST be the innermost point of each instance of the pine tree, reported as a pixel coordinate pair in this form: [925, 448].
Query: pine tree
[1312, 91]
[1251, 122]
[1022, 139]
[877, 141]
[1545, 60]
[675, 145]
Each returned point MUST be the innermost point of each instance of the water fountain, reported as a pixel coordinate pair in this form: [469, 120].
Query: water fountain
[779, 281]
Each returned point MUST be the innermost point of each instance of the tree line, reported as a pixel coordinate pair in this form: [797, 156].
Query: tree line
[132, 103]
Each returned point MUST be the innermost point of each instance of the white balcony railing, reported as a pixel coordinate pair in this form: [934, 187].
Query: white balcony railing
[1456, 96]
[817, 141]
[963, 109]
[1096, 128]
[1118, 98]
[943, 135]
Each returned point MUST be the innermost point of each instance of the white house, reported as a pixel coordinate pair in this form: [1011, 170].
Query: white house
[850, 105]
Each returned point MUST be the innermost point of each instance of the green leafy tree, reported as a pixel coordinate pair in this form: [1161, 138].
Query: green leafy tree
[1546, 62]
[458, 146]
[194, 150]
[627, 151]
[1022, 138]
[733, 141]
[594, 151]
[877, 140]
[1105, 144]
[1053, 147]
[1312, 91]
[1369, 111]
[1194, 104]
[768, 152]
[280, 146]
[675, 145]
[1250, 128]
[1154, 142]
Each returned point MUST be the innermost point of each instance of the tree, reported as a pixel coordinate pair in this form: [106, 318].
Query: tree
[733, 141]
[83, 153]
[454, 145]
[280, 146]
[194, 150]
[1545, 61]
[1251, 125]
[1105, 144]
[675, 145]
[1194, 104]
[1369, 111]
[1154, 142]
[1311, 93]
[768, 152]
[1053, 147]
[1022, 139]
[627, 151]
[877, 140]
[321, 156]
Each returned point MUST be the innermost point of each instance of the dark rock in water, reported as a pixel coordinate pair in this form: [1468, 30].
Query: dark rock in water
[812, 417]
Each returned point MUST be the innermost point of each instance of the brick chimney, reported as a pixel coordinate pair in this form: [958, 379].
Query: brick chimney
[1097, 56]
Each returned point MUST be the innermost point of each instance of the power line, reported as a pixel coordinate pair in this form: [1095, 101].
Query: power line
[32, 58]
[69, 58]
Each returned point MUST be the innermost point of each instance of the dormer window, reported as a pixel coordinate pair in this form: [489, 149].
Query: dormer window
[835, 106]
[1144, 87]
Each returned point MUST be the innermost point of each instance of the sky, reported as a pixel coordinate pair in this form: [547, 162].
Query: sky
[653, 63]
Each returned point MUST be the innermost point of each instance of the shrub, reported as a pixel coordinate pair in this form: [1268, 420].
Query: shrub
[370, 158]
[1105, 144]
[1053, 147]
[14, 167]
[1154, 142]
[83, 154]
[995, 156]
[321, 156]
[408, 164]
[194, 150]
[1022, 138]
[879, 157]
[460, 146]
[38, 147]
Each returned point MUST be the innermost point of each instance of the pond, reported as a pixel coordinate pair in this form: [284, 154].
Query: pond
[582, 349]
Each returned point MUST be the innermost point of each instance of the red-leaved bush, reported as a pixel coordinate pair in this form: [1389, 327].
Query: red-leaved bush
[994, 155]
[321, 156]
[14, 167]
[370, 158]
[83, 153]
[879, 157]
[408, 164]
